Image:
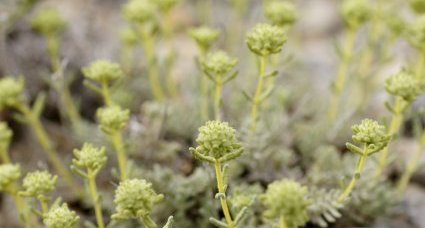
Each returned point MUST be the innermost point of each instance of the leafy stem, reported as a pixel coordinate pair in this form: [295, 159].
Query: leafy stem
[221, 185]
[91, 178]
[106, 93]
[258, 93]
[119, 147]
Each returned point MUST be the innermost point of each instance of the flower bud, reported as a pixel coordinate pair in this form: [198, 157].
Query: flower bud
[103, 71]
[265, 39]
[370, 132]
[112, 118]
[90, 157]
[355, 13]
[48, 22]
[288, 199]
[218, 64]
[204, 36]
[139, 11]
[135, 198]
[404, 85]
[11, 91]
[37, 184]
[9, 174]
[418, 6]
[61, 217]
[281, 13]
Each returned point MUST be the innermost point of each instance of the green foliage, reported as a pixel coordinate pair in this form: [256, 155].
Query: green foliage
[281, 13]
[265, 39]
[286, 199]
[38, 183]
[135, 198]
[103, 71]
[324, 208]
[112, 118]
[11, 91]
[204, 36]
[356, 13]
[61, 217]
[404, 85]
[49, 22]
[90, 157]
[9, 174]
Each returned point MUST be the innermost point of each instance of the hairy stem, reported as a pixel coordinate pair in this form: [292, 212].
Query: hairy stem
[119, 147]
[223, 200]
[258, 93]
[96, 198]
[217, 99]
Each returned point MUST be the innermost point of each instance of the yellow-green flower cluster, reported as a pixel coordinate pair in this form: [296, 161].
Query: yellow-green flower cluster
[103, 71]
[135, 198]
[61, 217]
[370, 132]
[37, 184]
[90, 157]
[217, 140]
[265, 39]
[113, 118]
[139, 11]
[218, 64]
[281, 13]
[11, 91]
[356, 13]
[418, 6]
[5, 136]
[9, 174]
[287, 199]
[49, 22]
[404, 85]
[204, 36]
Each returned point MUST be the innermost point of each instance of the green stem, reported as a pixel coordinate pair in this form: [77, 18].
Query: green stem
[203, 86]
[53, 50]
[411, 168]
[360, 166]
[44, 206]
[419, 71]
[341, 78]
[106, 94]
[47, 145]
[96, 198]
[168, 33]
[69, 106]
[21, 207]
[153, 71]
[258, 93]
[119, 147]
[221, 189]
[217, 99]
[148, 221]
[5, 158]
[283, 222]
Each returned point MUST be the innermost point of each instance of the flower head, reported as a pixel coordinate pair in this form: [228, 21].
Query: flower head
[11, 90]
[217, 140]
[103, 71]
[288, 199]
[416, 33]
[218, 64]
[204, 36]
[135, 198]
[266, 39]
[355, 13]
[404, 85]
[61, 217]
[139, 11]
[370, 132]
[37, 184]
[49, 22]
[281, 13]
[90, 157]
[5, 136]
[418, 6]
[9, 174]
[112, 118]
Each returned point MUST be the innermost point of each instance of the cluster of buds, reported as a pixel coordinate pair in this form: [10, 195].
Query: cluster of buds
[39, 183]
[113, 119]
[217, 142]
[371, 134]
[103, 71]
[11, 92]
[217, 65]
[281, 13]
[9, 174]
[356, 13]
[286, 199]
[139, 11]
[265, 39]
[49, 22]
[90, 157]
[61, 217]
[405, 85]
[204, 36]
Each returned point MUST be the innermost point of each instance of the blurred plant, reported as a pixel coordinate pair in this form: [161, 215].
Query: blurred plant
[204, 38]
[416, 36]
[135, 199]
[12, 95]
[264, 40]
[373, 137]
[324, 208]
[355, 13]
[217, 66]
[218, 145]
[129, 41]
[113, 120]
[91, 159]
[287, 201]
[61, 217]
[405, 88]
[5, 137]
[281, 13]
[418, 6]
